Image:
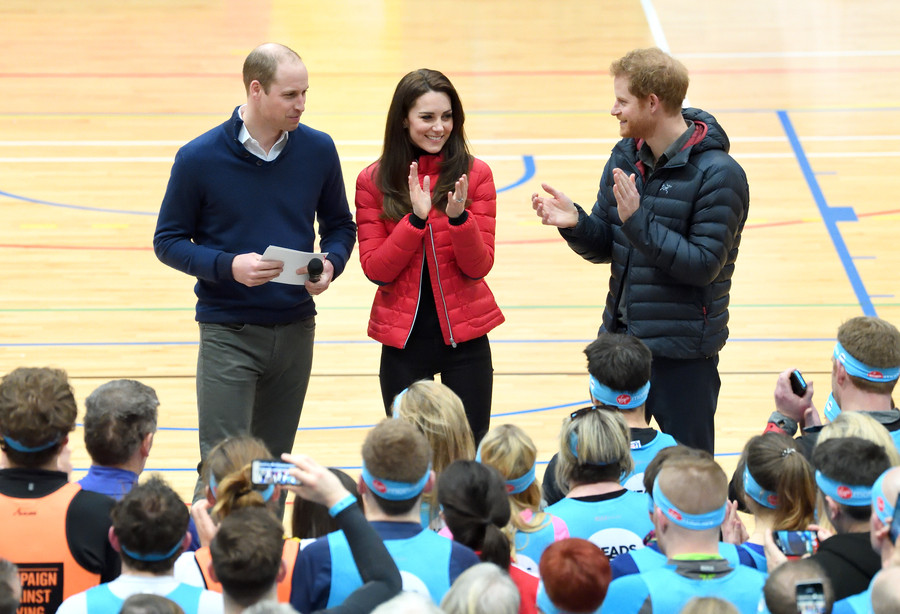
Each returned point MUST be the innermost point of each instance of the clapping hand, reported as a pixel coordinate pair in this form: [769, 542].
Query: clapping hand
[557, 210]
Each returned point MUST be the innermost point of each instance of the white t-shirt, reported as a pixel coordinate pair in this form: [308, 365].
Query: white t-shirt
[187, 570]
[127, 585]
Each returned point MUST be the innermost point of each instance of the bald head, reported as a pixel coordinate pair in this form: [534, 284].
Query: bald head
[886, 591]
[890, 486]
[262, 64]
[693, 485]
[780, 590]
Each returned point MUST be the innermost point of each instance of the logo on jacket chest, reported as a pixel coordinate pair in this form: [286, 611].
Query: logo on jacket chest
[665, 187]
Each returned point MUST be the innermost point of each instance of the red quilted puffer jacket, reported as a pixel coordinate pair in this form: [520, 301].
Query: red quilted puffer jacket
[392, 254]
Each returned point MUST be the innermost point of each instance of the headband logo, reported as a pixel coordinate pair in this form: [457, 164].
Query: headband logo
[623, 399]
[844, 493]
[773, 500]
[880, 503]
[876, 374]
[510, 488]
[379, 486]
[675, 514]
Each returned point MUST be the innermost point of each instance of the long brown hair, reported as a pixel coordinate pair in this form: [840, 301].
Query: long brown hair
[777, 465]
[229, 465]
[399, 151]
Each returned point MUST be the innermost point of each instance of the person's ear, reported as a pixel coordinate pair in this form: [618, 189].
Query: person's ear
[212, 573]
[429, 485]
[282, 572]
[146, 444]
[832, 507]
[840, 373]
[186, 542]
[114, 540]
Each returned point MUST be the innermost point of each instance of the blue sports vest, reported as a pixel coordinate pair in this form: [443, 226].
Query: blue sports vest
[423, 561]
[548, 607]
[669, 591]
[101, 599]
[616, 525]
[647, 559]
[530, 546]
[642, 455]
[861, 603]
[755, 552]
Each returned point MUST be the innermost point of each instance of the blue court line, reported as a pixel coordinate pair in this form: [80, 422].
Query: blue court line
[528, 161]
[830, 216]
[368, 426]
[77, 207]
[341, 467]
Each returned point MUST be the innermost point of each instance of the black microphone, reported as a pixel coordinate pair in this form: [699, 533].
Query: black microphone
[315, 268]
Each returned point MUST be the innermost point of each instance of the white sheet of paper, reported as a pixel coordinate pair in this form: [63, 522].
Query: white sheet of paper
[292, 260]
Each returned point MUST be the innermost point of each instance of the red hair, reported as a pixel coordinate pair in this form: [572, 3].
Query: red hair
[576, 574]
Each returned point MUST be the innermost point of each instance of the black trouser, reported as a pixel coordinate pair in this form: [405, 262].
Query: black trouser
[466, 369]
[683, 397]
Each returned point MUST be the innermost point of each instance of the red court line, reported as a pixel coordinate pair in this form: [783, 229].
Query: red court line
[483, 73]
[511, 242]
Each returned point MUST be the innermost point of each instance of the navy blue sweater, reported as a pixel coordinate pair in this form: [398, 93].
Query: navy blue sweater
[222, 201]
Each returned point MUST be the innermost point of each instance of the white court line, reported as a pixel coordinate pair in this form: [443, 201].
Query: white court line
[557, 141]
[659, 35]
[793, 54]
[516, 158]
[656, 29]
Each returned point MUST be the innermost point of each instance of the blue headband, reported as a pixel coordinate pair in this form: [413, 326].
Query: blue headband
[20, 447]
[521, 483]
[832, 409]
[395, 408]
[395, 491]
[213, 484]
[623, 400]
[694, 522]
[883, 508]
[153, 556]
[764, 497]
[859, 369]
[852, 496]
[266, 493]
[517, 485]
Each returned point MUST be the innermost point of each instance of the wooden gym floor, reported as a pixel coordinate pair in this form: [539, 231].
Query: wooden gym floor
[98, 96]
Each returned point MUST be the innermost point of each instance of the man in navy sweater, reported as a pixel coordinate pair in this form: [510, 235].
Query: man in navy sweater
[259, 179]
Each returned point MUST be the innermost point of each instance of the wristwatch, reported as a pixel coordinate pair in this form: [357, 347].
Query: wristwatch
[786, 424]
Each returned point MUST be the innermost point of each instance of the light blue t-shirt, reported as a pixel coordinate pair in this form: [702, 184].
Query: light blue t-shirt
[617, 524]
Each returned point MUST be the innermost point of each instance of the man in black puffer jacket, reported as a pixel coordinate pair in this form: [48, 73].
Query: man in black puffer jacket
[669, 214]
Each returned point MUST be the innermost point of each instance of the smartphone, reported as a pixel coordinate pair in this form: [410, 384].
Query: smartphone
[263, 471]
[798, 384]
[895, 521]
[797, 543]
[810, 598]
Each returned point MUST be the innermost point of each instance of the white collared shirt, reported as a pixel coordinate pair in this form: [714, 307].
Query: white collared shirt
[253, 146]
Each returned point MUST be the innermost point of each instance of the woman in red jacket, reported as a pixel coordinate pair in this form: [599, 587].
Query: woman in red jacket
[426, 212]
